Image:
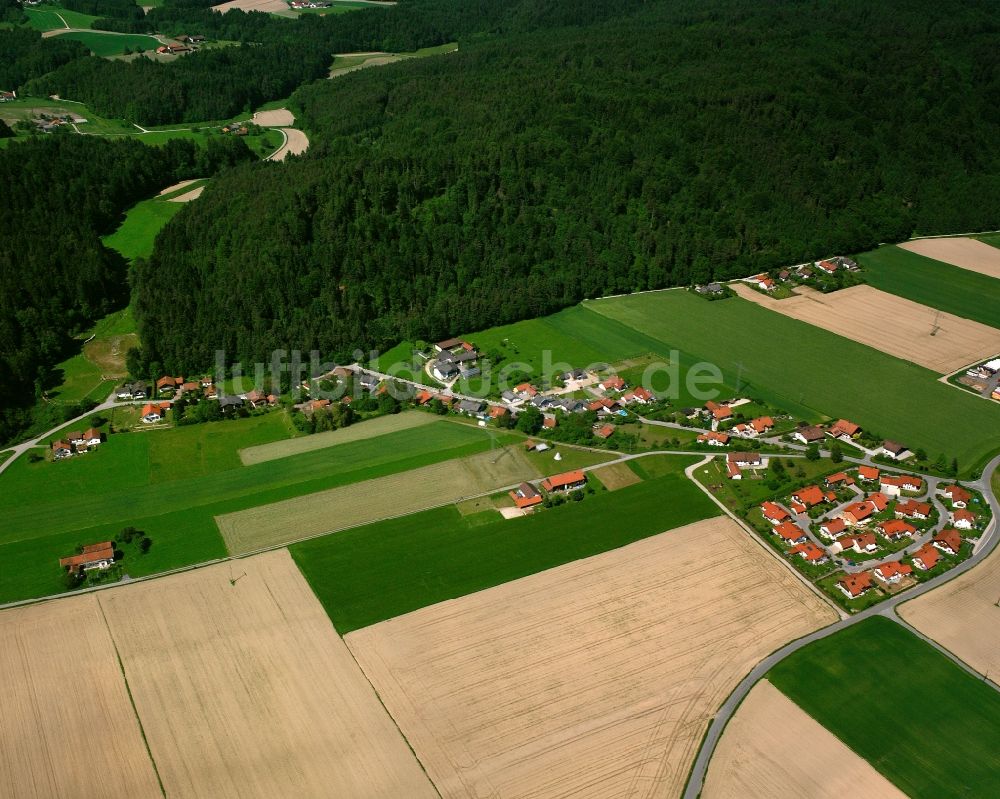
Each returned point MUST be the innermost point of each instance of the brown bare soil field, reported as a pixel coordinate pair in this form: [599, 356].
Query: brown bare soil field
[277, 118]
[246, 690]
[108, 354]
[187, 196]
[356, 432]
[593, 679]
[68, 727]
[962, 615]
[976, 256]
[177, 186]
[296, 143]
[271, 6]
[615, 476]
[772, 749]
[359, 503]
[892, 324]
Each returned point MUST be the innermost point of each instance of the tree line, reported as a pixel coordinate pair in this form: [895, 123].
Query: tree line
[685, 143]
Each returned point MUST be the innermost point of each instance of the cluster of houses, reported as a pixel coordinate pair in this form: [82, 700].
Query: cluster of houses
[7, 97]
[236, 129]
[92, 556]
[803, 272]
[984, 378]
[527, 496]
[76, 443]
[173, 48]
[47, 123]
[300, 4]
[454, 359]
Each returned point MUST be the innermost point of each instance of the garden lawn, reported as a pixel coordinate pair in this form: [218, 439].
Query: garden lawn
[368, 574]
[809, 371]
[108, 44]
[958, 291]
[848, 681]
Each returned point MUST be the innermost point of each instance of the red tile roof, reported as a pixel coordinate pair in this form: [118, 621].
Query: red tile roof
[496, 411]
[896, 527]
[950, 538]
[605, 432]
[910, 507]
[809, 496]
[868, 472]
[927, 555]
[893, 568]
[762, 423]
[856, 584]
[859, 511]
[957, 493]
[564, 480]
[808, 550]
[773, 511]
[790, 531]
[833, 526]
[614, 382]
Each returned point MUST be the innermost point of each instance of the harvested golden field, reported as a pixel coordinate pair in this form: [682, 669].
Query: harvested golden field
[976, 256]
[370, 500]
[594, 679]
[617, 475]
[892, 324]
[378, 426]
[275, 118]
[246, 690]
[68, 727]
[266, 6]
[772, 749]
[187, 196]
[962, 615]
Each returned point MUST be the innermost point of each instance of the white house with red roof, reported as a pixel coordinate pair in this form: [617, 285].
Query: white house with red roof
[892, 571]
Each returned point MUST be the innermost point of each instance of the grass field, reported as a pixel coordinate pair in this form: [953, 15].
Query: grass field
[137, 232]
[993, 239]
[934, 283]
[107, 44]
[30, 107]
[809, 371]
[172, 483]
[47, 19]
[349, 62]
[372, 573]
[896, 701]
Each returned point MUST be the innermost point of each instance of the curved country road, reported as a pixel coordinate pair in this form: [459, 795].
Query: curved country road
[987, 544]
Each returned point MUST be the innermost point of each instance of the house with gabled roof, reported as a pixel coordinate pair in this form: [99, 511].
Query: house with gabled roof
[773, 512]
[840, 478]
[859, 542]
[809, 434]
[92, 556]
[891, 485]
[892, 571]
[791, 533]
[854, 585]
[61, 449]
[565, 482]
[153, 412]
[526, 496]
[963, 519]
[927, 557]
[717, 411]
[844, 430]
[809, 552]
[894, 529]
[809, 496]
[911, 509]
[613, 383]
[870, 473]
[948, 540]
[857, 513]
[957, 495]
[605, 431]
[894, 450]
[713, 439]
[831, 528]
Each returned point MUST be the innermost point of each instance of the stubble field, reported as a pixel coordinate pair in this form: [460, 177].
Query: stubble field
[966, 253]
[68, 727]
[593, 679]
[772, 750]
[891, 324]
[367, 501]
[246, 690]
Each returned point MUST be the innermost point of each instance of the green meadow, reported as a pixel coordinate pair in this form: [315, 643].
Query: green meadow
[368, 574]
[949, 288]
[108, 44]
[929, 726]
[810, 372]
[137, 232]
[173, 482]
[47, 19]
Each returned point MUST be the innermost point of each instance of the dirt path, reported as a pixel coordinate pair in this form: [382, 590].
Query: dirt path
[177, 186]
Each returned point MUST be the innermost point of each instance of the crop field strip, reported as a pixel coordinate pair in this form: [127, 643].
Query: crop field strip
[961, 251]
[893, 325]
[368, 501]
[616, 662]
[379, 571]
[794, 364]
[851, 683]
[934, 283]
[772, 750]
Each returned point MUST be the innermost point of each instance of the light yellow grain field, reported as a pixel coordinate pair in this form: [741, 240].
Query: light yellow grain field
[379, 426]
[594, 679]
[772, 749]
[971, 254]
[370, 500]
[67, 728]
[615, 476]
[894, 325]
[245, 689]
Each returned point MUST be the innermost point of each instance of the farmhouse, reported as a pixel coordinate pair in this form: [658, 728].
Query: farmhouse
[859, 542]
[61, 449]
[91, 437]
[809, 496]
[791, 532]
[746, 460]
[958, 496]
[714, 439]
[891, 485]
[762, 281]
[894, 529]
[153, 412]
[807, 434]
[912, 509]
[7, 97]
[93, 556]
[926, 557]
[167, 384]
[132, 391]
[809, 552]
[773, 512]
[826, 266]
[868, 472]
[639, 394]
[894, 450]
[948, 540]
[893, 571]
[832, 528]
[854, 585]
[843, 429]
[190, 385]
[565, 482]
[526, 496]
[717, 411]
[605, 431]
[963, 519]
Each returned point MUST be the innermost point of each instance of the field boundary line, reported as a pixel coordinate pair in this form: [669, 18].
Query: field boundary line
[131, 699]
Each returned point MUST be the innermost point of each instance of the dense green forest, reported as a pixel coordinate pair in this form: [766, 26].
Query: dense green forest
[686, 141]
[10, 11]
[60, 193]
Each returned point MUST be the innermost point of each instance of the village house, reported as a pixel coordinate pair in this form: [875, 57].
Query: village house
[892, 571]
[7, 97]
[713, 439]
[963, 519]
[859, 542]
[526, 496]
[737, 461]
[809, 497]
[831, 528]
[93, 556]
[613, 383]
[189, 386]
[718, 412]
[926, 558]
[605, 431]
[791, 533]
[230, 403]
[891, 485]
[471, 407]
[838, 479]
[755, 427]
[912, 509]
[857, 513]
[575, 375]
[565, 482]
[809, 434]
[948, 540]
[131, 391]
[498, 412]
[548, 422]
[638, 394]
[319, 404]
[843, 430]
[957, 495]
[854, 585]
[894, 529]
[870, 473]
[713, 289]
[773, 512]
[61, 449]
[809, 552]
[894, 450]
[762, 281]
[167, 384]
[368, 381]
[153, 412]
